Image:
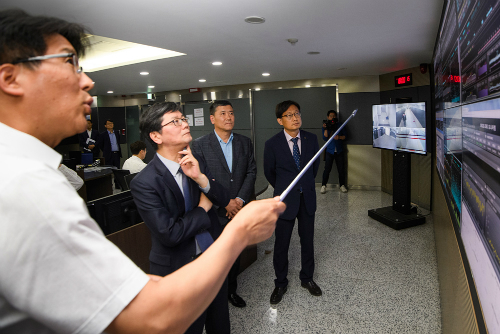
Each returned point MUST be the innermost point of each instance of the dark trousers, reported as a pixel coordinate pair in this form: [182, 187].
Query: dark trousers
[339, 161]
[115, 160]
[283, 233]
[216, 316]
[235, 269]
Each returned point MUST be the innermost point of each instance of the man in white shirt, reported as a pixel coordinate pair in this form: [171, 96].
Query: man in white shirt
[135, 164]
[59, 274]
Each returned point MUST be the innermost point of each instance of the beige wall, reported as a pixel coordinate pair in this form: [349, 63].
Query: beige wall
[359, 158]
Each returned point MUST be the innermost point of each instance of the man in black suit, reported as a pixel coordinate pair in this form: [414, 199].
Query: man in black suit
[285, 154]
[229, 157]
[109, 143]
[174, 195]
[89, 139]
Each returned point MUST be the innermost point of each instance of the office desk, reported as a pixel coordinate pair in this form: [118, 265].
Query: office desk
[98, 182]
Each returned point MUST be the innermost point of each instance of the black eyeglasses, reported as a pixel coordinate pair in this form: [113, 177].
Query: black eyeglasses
[74, 59]
[177, 121]
[290, 116]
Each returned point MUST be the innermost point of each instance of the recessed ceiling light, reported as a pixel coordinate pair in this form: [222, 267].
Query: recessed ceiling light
[341, 68]
[144, 73]
[266, 74]
[151, 86]
[307, 86]
[257, 88]
[217, 63]
[313, 53]
[255, 19]
[110, 92]
[202, 80]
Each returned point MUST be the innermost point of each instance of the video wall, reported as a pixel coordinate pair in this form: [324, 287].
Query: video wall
[467, 104]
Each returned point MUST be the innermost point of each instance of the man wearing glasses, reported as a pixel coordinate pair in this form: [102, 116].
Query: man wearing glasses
[174, 195]
[285, 154]
[59, 274]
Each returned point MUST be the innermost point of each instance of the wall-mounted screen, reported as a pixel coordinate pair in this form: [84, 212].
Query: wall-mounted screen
[400, 127]
[467, 85]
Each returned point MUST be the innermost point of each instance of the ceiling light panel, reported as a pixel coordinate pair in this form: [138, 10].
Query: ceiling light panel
[105, 53]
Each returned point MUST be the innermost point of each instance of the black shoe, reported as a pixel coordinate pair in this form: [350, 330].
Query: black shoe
[312, 287]
[236, 300]
[277, 294]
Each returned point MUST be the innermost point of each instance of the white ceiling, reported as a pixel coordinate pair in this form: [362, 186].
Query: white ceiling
[367, 37]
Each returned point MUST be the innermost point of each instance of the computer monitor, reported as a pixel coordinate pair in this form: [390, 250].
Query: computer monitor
[400, 127]
[114, 213]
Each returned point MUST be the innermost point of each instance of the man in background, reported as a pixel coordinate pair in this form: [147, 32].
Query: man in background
[63, 275]
[229, 157]
[285, 154]
[88, 140]
[334, 151]
[109, 143]
[135, 163]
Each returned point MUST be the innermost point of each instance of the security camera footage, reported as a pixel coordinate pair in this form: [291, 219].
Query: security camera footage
[467, 103]
[400, 127]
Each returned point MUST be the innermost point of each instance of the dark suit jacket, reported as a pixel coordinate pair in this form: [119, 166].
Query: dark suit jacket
[161, 205]
[105, 146]
[83, 141]
[280, 170]
[241, 182]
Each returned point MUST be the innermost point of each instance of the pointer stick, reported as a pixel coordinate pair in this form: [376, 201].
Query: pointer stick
[297, 178]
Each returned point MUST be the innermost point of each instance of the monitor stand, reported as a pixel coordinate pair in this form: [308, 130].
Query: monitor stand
[400, 215]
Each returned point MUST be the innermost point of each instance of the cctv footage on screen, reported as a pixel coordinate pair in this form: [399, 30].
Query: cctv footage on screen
[400, 127]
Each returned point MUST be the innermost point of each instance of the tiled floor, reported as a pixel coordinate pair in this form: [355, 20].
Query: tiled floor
[374, 279]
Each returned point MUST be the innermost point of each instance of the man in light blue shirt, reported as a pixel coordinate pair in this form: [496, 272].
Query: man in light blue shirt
[109, 143]
[229, 157]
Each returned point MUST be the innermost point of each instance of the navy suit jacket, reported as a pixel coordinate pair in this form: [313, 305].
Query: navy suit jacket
[83, 141]
[105, 146]
[280, 170]
[241, 181]
[161, 205]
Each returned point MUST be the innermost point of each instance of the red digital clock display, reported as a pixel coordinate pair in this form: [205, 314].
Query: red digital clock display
[403, 80]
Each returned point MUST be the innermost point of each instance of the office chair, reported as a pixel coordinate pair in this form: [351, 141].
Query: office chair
[129, 177]
[120, 178]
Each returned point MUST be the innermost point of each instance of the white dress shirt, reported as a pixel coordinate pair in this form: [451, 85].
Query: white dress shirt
[134, 164]
[59, 274]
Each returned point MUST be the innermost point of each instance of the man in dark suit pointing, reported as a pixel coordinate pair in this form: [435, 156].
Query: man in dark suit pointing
[229, 157]
[285, 154]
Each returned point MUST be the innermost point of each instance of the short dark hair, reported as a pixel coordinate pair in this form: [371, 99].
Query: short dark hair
[137, 147]
[150, 120]
[283, 106]
[219, 103]
[23, 36]
[331, 111]
[108, 120]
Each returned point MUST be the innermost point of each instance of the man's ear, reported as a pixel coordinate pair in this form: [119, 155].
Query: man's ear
[9, 80]
[280, 122]
[156, 137]
[212, 119]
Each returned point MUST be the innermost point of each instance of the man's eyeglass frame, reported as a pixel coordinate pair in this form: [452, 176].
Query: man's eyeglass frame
[78, 69]
[177, 121]
[290, 116]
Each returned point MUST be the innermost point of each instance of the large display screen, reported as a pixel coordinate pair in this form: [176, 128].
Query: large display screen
[400, 127]
[467, 103]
